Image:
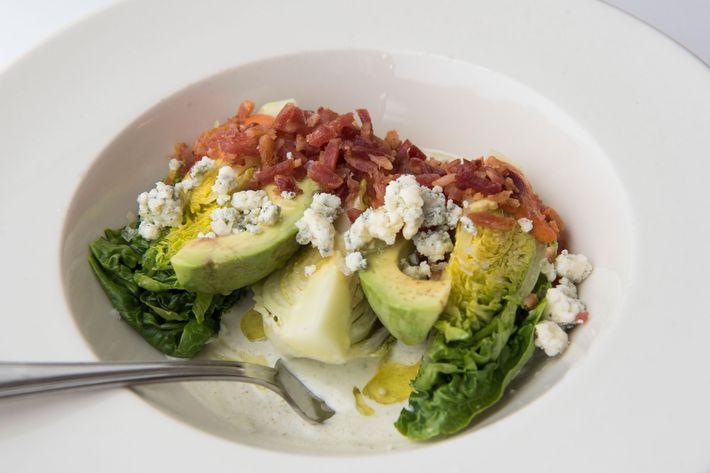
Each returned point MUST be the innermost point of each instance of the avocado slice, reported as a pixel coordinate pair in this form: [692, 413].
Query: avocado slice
[221, 265]
[408, 307]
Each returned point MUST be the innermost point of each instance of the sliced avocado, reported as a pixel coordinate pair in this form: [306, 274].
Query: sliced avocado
[408, 307]
[221, 265]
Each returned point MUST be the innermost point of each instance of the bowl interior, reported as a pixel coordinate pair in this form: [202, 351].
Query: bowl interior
[438, 103]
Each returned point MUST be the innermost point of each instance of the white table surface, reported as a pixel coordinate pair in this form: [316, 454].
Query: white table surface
[26, 23]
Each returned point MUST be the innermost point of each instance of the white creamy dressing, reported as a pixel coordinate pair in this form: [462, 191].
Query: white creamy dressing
[257, 411]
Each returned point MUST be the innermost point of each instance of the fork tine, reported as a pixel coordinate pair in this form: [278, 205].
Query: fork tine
[308, 405]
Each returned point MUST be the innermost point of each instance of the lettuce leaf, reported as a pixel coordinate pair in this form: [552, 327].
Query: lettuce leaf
[484, 336]
[461, 379]
[149, 298]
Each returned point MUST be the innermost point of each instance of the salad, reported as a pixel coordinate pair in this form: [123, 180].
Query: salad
[351, 245]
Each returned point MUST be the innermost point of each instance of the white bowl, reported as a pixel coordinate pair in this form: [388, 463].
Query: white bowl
[595, 120]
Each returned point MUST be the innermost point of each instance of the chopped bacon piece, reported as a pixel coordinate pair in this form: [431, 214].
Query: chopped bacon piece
[225, 140]
[366, 120]
[321, 135]
[353, 214]
[290, 119]
[342, 121]
[312, 118]
[415, 152]
[582, 317]
[381, 161]
[427, 180]
[266, 150]
[445, 180]
[330, 154]
[364, 165]
[466, 180]
[245, 110]
[259, 119]
[300, 143]
[454, 193]
[492, 221]
[530, 301]
[392, 139]
[376, 189]
[419, 166]
[325, 177]
[326, 115]
[266, 175]
[286, 184]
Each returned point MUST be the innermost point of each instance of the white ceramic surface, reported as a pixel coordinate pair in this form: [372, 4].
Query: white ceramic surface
[632, 106]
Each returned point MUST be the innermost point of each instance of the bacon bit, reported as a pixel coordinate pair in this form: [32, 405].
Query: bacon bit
[286, 184]
[225, 140]
[364, 165]
[427, 180]
[342, 121]
[366, 120]
[312, 118]
[321, 135]
[381, 161]
[245, 110]
[376, 189]
[392, 139]
[266, 175]
[494, 176]
[260, 119]
[299, 173]
[530, 301]
[329, 156]
[419, 166]
[454, 193]
[353, 214]
[469, 180]
[266, 150]
[492, 221]
[582, 317]
[445, 180]
[290, 119]
[300, 143]
[326, 178]
[415, 152]
[501, 197]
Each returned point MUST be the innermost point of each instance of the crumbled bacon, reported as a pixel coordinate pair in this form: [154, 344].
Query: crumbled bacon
[492, 221]
[392, 139]
[381, 161]
[286, 184]
[329, 156]
[245, 109]
[353, 214]
[266, 150]
[290, 119]
[326, 178]
[266, 175]
[582, 317]
[338, 153]
[445, 180]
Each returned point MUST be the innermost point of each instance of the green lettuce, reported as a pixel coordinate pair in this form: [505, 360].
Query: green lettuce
[484, 336]
[149, 298]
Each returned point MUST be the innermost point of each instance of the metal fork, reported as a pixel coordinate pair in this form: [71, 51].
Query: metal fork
[20, 379]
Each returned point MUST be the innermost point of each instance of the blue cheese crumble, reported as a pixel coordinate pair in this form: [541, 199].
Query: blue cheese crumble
[249, 211]
[159, 208]
[316, 226]
[225, 182]
[354, 262]
[550, 337]
[525, 224]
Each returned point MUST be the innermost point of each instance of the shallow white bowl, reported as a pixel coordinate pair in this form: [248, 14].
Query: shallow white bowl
[569, 91]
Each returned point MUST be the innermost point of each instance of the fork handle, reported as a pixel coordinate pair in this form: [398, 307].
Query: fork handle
[20, 379]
